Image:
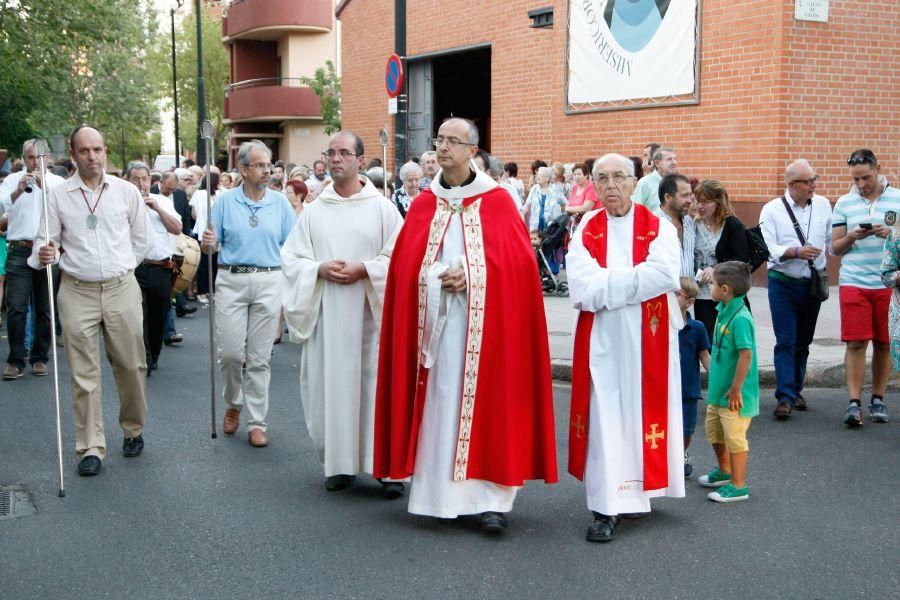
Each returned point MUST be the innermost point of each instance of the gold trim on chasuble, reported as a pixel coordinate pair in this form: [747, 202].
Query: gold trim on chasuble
[474, 241]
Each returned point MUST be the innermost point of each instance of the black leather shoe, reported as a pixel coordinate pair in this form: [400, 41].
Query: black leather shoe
[800, 403]
[603, 529]
[132, 447]
[336, 483]
[782, 411]
[493, 522]
[392, 489]
[89, 466]
[187, 310]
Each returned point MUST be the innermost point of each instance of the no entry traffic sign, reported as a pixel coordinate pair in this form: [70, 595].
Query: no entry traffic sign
[393, 76]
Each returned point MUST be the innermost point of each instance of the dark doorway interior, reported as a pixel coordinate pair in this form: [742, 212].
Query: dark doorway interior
[462, 88]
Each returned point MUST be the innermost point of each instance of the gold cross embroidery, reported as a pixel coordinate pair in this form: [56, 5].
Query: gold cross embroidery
[578, 426]
[654, 435]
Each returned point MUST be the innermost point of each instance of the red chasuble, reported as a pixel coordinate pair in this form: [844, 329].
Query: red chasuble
[505, 430]
[654, 359]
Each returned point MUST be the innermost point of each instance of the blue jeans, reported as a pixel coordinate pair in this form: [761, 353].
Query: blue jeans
[170, 323]
[794, 318]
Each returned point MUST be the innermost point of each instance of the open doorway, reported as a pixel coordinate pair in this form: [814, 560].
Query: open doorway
[444, 85]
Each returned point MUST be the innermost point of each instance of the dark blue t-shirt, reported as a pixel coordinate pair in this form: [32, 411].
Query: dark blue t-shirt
[692, 340]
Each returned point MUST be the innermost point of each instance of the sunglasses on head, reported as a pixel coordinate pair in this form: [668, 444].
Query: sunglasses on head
[862, 157]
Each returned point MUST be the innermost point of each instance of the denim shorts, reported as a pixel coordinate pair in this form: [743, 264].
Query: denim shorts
[689, 415]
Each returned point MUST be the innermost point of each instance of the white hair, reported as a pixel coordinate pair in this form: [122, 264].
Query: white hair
[408, 169]
[626, 163]
[181, 172]
[545, 172]
[495, 168]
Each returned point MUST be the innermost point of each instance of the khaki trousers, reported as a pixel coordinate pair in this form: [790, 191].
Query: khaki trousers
[112, 308]
[247, 310]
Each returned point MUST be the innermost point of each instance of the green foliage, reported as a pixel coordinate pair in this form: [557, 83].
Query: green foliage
[216, 71]
[81, 63]
[327, 86]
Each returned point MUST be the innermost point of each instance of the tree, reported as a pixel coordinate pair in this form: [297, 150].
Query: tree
[327, 86]
[216, 71]
[83, 64]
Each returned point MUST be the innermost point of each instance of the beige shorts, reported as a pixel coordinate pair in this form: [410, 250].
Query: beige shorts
[724, 426]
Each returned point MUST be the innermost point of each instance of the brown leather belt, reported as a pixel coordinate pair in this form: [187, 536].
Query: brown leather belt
[21, 244]
[165, 264]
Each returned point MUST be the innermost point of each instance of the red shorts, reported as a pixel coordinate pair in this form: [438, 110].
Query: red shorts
[864, 314]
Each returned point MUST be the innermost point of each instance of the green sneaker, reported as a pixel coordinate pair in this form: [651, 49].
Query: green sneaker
[714, 479]
[729, 493]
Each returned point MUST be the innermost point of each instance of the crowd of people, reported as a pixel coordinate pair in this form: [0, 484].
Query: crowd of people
[406, 297]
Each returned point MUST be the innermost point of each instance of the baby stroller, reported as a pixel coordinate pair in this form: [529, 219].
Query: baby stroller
[552, 239]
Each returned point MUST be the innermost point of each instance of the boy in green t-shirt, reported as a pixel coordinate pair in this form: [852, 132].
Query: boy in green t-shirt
[733, 394]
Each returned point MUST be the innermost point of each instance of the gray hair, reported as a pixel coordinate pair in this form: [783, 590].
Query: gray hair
[28, 144]
[545, 172]
[376, 176]
[408, 169]
[243, 155]
[181, 172]
[136, 165]
[495, 168]
[795, 166]
[429, 154]
[626, 163]
[167, 176]
[657, 154]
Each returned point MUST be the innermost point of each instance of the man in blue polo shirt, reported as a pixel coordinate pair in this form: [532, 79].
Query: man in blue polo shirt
[861, 221]
[250, 223]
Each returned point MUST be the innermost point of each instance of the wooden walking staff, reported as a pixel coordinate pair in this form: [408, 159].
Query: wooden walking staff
[207, 130]
[42, 150]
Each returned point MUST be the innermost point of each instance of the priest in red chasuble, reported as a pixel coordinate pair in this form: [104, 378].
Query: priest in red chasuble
[464, 403]
[625, 438]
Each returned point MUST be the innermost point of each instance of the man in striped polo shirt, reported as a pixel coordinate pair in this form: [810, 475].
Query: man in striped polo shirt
[861, 221]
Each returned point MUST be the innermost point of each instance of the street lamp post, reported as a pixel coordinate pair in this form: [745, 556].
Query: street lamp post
[175, 81]
[201, 89]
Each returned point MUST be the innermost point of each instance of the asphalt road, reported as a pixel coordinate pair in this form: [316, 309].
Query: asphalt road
[200, 518]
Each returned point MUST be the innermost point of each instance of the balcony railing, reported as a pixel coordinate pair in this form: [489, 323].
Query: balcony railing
[269, 19]
[271, 99]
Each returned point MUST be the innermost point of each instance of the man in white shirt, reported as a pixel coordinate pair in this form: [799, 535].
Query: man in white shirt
[99, 231]
[154, 274]
[21, 196]
[319, 178]
[794, 314]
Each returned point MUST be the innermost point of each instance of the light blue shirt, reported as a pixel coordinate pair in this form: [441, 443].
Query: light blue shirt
[861, 264]
[242, 244]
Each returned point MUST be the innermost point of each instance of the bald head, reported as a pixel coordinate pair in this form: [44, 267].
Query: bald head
[800, 179]
[799, 169]
[612, 161]
[88, 150]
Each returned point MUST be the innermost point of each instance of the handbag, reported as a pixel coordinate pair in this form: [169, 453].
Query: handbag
[818, 279]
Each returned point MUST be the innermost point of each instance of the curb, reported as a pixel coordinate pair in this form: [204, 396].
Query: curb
[829, 377]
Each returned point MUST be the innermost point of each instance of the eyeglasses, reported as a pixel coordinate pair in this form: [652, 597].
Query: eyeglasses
[617, 177]
[341, 153]
[862, 157]
[451, 141]
[262, 166]
[806, 181]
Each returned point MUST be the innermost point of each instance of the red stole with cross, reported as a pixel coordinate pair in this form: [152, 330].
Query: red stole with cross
[654, 359]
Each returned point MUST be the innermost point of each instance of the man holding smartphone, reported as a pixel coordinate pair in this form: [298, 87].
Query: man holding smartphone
[862, 220]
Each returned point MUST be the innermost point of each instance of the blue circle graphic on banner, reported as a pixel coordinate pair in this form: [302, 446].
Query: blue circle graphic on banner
[633, 23]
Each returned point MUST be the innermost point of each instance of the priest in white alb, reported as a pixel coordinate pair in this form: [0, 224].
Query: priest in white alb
[335, 262]
[625, 438]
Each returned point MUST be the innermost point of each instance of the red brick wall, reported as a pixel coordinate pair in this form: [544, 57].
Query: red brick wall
[772, 88]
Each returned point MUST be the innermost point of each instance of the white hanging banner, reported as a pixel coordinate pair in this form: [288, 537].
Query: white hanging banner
[622, 50]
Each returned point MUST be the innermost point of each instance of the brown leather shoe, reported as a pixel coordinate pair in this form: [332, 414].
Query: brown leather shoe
[39, 369]
[231, 421]
[258, 438]
[782, 411]
[11, 372]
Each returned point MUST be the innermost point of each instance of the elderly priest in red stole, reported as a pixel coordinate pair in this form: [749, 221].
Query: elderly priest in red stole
[625, 438]
[464, 401]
